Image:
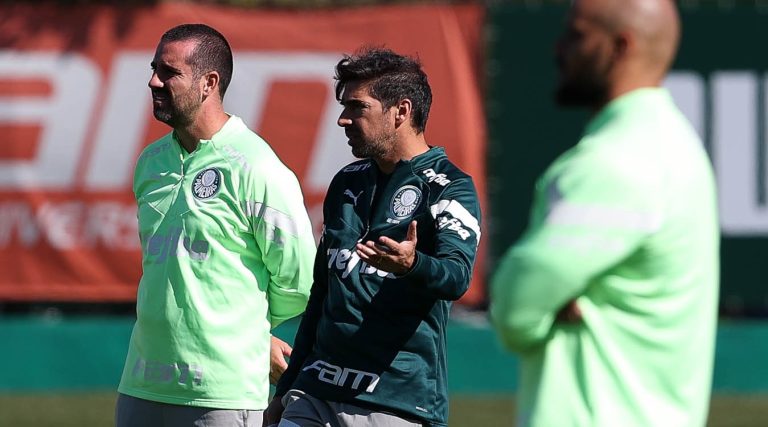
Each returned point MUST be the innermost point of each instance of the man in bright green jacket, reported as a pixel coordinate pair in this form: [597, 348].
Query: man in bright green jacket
[227, 250]
[610, 296]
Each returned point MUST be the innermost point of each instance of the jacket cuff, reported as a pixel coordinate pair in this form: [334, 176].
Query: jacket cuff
[419, 271]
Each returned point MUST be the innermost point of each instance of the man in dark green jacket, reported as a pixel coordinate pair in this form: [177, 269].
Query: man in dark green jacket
[399, 242]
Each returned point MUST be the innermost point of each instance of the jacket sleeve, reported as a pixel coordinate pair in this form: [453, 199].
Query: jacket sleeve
[284, 236]
[446, 270]
[586, 219]
[305, 336]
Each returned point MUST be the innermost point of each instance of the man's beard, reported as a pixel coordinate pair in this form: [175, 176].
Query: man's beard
[377, 147]
[581, 93]
[178, 111]
[587, 87]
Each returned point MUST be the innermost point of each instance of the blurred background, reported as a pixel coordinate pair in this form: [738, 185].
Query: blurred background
[75, 112]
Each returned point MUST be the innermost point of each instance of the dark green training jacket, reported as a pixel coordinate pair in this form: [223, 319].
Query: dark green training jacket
[369, 337]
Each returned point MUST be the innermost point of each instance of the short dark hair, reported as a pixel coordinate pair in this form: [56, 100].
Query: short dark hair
[212, 52]
[392, 78]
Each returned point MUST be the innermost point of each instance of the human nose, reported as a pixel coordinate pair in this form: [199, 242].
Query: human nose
[154, 81]
[343, 120]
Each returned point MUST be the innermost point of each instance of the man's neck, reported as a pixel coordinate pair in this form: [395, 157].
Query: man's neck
[630, 82]
[203, 127]
[407, 149]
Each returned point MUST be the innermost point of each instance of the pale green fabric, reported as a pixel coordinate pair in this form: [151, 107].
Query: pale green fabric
[626, 223]
[134, 412]
[228, 253]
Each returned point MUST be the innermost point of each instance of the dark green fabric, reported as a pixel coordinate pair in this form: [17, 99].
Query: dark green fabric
[361, 323]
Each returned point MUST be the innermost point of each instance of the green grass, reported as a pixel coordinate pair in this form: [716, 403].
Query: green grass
[59, 410]
[96, 410]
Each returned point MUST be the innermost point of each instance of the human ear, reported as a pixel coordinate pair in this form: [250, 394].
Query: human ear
[210, 83]
[403, 111]
[622, 44]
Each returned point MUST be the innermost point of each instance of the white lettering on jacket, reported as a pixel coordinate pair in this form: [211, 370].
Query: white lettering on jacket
[339, 376]
[346, 260]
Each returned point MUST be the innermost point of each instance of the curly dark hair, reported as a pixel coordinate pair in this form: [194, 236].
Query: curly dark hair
[212, 52]
[392, 78]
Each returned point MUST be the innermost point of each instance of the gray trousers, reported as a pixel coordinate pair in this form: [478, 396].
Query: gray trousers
[133, 412]
[303, 410]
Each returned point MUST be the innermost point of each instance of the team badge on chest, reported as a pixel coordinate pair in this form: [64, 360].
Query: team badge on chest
[405, 201]
[206, 184]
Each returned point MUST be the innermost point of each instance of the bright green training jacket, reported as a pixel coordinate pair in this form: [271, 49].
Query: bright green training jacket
[625, 223]
[227, 255]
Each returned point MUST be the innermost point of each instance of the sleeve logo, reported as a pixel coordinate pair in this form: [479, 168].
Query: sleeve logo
[206, 184]
[405, 201]
[439, 178]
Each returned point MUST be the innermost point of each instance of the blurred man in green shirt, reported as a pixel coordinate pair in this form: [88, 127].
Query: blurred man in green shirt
[610, 296]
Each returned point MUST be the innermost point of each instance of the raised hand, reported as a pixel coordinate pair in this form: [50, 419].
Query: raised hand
[390, 255]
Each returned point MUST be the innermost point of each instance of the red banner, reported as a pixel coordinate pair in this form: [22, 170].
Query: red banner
[75, 112]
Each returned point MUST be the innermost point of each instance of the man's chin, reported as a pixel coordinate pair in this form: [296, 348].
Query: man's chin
[358, 153]
[582, 91]
[163, 116]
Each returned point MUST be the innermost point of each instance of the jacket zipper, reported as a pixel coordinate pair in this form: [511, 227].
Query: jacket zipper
[370, 209]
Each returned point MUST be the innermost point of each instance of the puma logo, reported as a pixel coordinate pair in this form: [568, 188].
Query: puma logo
[352, 196]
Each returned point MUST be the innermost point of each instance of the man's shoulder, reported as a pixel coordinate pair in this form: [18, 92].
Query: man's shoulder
[442, 175]
[595, 156]
[356, 171]
[356, 167]
[607, 167]
[247, 150]
[159, 146]
[243, 139]
[442, 172]
[350, 177]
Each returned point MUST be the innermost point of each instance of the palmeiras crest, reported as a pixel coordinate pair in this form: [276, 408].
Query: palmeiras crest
[206, 184]
[405, 201]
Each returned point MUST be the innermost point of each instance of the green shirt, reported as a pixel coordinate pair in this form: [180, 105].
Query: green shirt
[227, 255]
[625, 223]
[372, 338]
